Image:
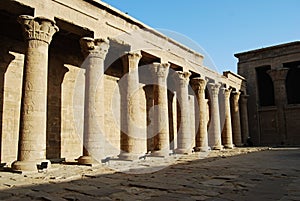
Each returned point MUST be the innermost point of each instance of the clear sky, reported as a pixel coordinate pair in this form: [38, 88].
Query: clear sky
[221, 27]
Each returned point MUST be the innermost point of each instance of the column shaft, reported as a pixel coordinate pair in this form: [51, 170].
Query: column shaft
[184, 137]
[199, 86]
[32, 140]
[161, 140]
[192, 121]
[95, 51]
[244, 118]
[236, 125]
[131, 139]
[227, 124]
[215, 117]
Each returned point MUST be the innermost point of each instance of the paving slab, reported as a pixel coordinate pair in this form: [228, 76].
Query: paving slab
[237, 174]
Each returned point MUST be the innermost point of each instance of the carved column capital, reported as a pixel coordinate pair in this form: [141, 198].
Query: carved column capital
[244, 99]
[226, 91]
[161, 70]
[214, 89]
[198, 84]
[279, 77]
[131, 60]
[278, 74]
[236, 96]
[94, 47]
[183, 78]
[38, 28]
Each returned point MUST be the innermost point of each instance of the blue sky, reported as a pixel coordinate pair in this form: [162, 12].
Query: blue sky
[221, 27]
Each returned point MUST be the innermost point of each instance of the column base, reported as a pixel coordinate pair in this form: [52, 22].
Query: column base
[239, 145]
[87, 160]
[31, 165]
[228, 146]
[202, 149]
[160, 153]
[129, 156]
[183, 151]
[217, 147]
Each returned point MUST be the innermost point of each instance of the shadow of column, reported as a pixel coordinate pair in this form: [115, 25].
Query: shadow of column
[171, 120]
[150, 116]
[56, 73]
[5, 59]
[123, 112]
[207, 96]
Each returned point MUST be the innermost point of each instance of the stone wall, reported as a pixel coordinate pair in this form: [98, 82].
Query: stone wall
[87, 82]
[293, 119]
[12, 60]
[264, 121]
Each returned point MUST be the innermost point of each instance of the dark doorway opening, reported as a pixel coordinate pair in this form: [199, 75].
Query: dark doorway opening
[265, 86]
[293, 82]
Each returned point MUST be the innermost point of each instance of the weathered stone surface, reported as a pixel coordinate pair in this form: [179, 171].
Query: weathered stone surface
[272, 79]
[95, 51]
[63, 97]
[184, 136]
[132, 138]
[232, 178]
[215, 140]
[236, 125]
[161, 132]
[227, 130]
[199, 85]
[38, 33]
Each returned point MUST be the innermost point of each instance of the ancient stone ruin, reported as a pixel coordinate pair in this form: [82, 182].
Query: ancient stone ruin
[82, 80]
[272, 75]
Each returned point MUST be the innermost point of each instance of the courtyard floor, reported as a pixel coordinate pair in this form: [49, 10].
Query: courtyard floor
[239, 174]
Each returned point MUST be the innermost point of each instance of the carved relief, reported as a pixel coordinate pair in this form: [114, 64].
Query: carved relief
[160, 70]
[94, 47]
[226, 92]
[278, 74]
[198, 85]
[214, 89]
[38, 28]
[236, 96]
[131, 61]
[183, 78]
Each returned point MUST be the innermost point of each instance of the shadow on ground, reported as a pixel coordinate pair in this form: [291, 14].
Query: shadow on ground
[264, 175]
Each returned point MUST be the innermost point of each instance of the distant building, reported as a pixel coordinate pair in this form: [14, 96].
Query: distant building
[273, 80]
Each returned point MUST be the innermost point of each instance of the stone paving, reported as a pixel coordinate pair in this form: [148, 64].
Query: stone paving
[238, 174]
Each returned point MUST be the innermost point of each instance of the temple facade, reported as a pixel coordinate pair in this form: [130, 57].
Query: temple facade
[272, 75]
[85, 82]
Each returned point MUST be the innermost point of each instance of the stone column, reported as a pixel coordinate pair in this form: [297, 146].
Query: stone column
[174, 121]
[279, 77]
[161, 131]
[227, 123]
[192, 121]
[131, 139]
[199, 85]
[95, 51]
[244, 118]
[184, 136]
[215, 116]
[38, 33]
[236, 125]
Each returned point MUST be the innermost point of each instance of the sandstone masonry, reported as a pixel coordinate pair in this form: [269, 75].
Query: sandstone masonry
[87, 83]
[272, 75]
